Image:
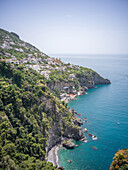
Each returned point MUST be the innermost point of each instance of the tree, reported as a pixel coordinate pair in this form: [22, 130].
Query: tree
[17, 77]
[8, 163]
[120, 160]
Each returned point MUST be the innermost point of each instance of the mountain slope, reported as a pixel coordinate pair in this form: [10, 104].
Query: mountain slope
[32, 117]
[28, 112]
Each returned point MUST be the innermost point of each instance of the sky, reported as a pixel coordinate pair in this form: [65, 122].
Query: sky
[69, 26]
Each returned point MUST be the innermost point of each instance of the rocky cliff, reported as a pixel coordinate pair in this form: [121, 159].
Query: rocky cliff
[83, 80]
[60, 84]
[100, 80]
[90, 79]
[62, 123]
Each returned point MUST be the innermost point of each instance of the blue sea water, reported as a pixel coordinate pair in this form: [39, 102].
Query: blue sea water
[103, 106]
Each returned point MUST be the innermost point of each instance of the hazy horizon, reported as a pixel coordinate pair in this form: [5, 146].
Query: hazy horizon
[85, 54]
[69, 27]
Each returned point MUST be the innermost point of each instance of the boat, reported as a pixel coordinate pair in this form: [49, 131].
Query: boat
[118, 123]
[94, 137]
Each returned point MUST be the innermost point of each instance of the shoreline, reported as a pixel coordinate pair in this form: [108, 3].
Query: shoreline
[53, 155]
[72, 97]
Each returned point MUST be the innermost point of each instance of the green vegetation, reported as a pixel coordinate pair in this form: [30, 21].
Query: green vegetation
[16, 43]
[15, 35]
[23, 121]
[58, 75]
[120, 160]
[30, 112]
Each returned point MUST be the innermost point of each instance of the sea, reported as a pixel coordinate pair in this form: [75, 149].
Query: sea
[106, 109]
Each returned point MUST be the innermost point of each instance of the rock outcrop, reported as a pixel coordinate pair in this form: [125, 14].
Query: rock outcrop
[60, 85]
[68, 144]
[100, 80]
[58, 129]
[90, 79]
[78, 122]
[73, 132]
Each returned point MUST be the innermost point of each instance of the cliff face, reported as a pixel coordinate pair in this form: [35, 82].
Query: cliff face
[58, 131]
[100, 80]
[60, 127]
[60, 84]
[82, 80]
[91, 79]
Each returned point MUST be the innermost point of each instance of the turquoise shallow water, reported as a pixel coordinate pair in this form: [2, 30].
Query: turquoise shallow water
[103, 106]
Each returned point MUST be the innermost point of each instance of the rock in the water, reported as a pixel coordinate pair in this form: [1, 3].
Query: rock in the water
[94, 148]
[83, 139]
[94, 137]
[61, 167]
[85, 130]
[90, 134]
[70, 161]
[69, 144]
[85, 121]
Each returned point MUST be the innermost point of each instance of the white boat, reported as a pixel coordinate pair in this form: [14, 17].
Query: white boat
[94, 137]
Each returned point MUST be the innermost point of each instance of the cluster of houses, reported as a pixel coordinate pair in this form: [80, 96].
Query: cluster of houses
[70, 95]
[43, 65]
[35, 60]
[9, 44]
[6, 45]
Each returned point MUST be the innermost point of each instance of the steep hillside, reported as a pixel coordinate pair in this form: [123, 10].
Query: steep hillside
[30, 116]
[33, 114]
[57, 73]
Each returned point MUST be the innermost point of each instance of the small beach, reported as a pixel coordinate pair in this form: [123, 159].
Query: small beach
[53, 155]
